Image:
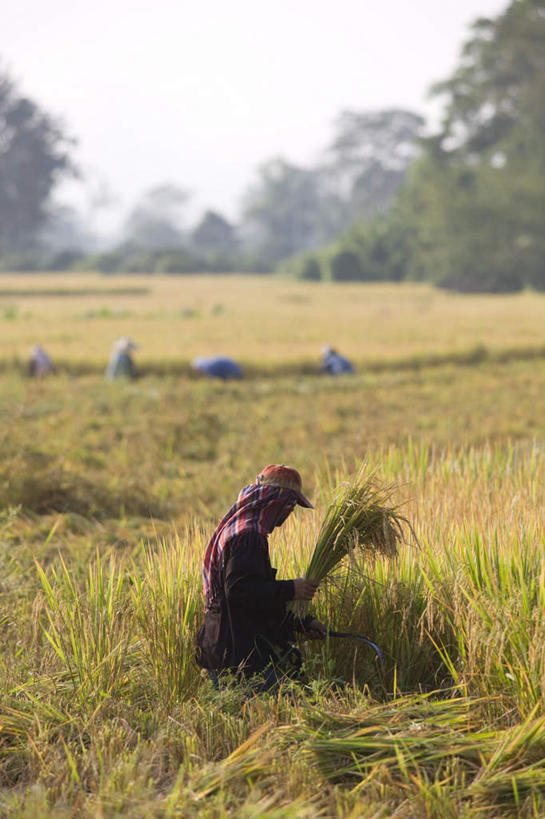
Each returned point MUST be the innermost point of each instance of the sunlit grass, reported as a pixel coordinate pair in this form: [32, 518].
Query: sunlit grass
[257, 319]
[110, 492]
[109, 660]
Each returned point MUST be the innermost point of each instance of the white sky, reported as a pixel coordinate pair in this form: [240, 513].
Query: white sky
[199, 92]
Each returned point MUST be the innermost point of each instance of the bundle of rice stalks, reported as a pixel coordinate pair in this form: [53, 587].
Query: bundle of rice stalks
[361, 516]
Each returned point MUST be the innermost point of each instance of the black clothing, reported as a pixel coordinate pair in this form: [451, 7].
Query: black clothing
[246, 625]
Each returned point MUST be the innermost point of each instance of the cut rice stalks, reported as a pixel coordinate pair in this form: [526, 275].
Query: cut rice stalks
[363, 517]
[422, 740]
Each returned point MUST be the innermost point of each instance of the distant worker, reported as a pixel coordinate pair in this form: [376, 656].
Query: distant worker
[333, 363]
[40, 364]
[217, 367]
[121, 364]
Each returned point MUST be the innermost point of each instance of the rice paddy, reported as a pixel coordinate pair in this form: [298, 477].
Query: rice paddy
[109, 493]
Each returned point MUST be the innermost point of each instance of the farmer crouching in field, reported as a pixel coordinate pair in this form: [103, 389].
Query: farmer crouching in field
[247, 629]
[333, 363]
[217, 366]
[121, 364]
[40, 364]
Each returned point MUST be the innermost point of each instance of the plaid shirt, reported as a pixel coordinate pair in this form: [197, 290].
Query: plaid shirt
[258, 508]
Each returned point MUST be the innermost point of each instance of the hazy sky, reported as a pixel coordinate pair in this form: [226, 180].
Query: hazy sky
[199, 93]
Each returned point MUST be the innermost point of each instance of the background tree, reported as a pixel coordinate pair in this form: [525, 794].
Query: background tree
[367, 160]
[214, 234]
[293, 209]
[34, 155]
[495, 100]
[156, 221]
[470, 214]
[281, 211]
[477, 201]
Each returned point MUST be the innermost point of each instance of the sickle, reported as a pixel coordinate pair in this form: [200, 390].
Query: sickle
[358, 637]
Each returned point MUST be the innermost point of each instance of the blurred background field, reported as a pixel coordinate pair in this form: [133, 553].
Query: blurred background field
[261, 321]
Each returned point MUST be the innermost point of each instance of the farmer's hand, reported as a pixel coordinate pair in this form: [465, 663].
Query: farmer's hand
[304, 589]
[316, 631]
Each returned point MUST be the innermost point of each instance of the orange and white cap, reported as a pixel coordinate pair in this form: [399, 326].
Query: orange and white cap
[285, 477]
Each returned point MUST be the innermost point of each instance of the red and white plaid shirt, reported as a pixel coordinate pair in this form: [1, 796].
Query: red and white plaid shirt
[258, 508]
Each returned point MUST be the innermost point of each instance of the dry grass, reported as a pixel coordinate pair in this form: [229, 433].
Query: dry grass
[102, 711]
[257, 319]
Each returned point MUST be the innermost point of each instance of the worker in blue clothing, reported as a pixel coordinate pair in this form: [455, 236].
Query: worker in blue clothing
[217, 367]
[335, 364]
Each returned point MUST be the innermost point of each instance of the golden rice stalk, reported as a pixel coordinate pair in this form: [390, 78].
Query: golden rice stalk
[361, 516]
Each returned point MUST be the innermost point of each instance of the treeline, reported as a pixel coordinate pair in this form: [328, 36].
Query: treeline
[287, 208]
[471, 213]
[463, 207]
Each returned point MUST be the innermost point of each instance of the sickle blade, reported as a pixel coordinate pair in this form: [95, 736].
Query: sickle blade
[358, 637]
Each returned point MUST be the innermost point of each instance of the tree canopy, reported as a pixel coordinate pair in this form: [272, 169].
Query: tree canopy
[34, 155]
[495, 100]
[290, 208]
[156, 221]
[478, 198]
[471, 212]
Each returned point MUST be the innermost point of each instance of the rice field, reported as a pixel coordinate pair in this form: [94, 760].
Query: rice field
[109, 493]
[255, 319]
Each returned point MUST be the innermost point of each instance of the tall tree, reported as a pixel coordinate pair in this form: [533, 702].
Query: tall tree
[156, 221]
[34, 155]
[292, 209]
[281, 211]
[214, 234]
[477, 200]
[368, 158]
[495, 100]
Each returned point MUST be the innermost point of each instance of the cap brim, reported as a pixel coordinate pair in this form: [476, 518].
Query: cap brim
[302, 501]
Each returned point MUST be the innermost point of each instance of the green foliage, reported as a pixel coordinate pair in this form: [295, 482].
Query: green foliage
[345, 266]
[495, 100]
[292, 209]
[383, 246]
[214, 234]
[470, 216]
[304, 267]
[175, 261]
[368, 158]
[310, 269]
[476, 203]
[87, 629]
[466, 233]
[109, 262]
[34, 156]
[129, 259]
[281, 210]
[165, 597]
